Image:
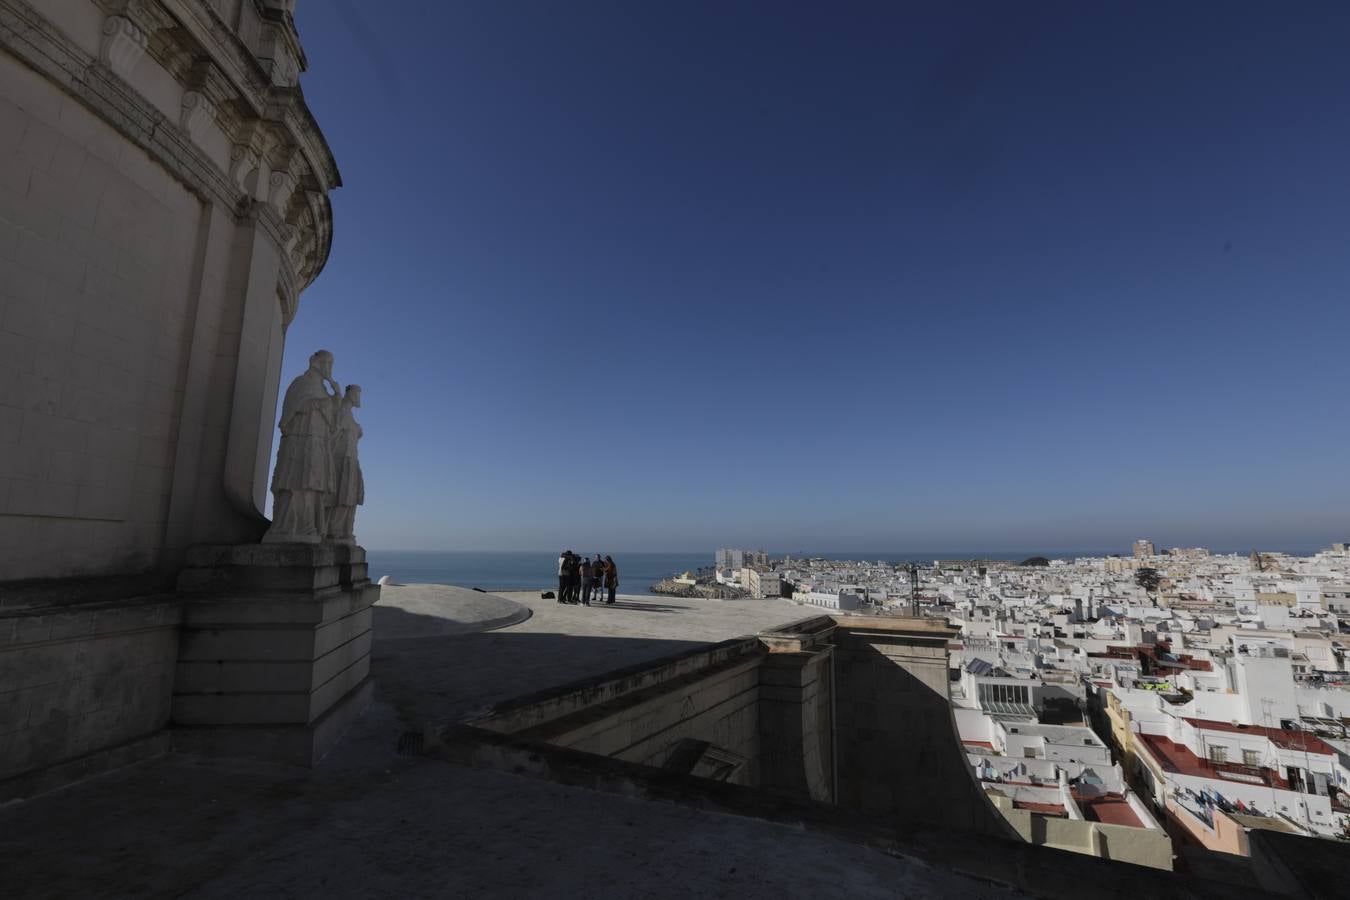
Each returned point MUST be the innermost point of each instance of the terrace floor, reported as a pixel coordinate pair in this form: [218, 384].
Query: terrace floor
[368, 822]
[1111, 809]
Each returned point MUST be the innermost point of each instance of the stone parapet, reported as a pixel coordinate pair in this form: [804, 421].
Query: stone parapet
[796, 708]
[274, 650]
[895, 734]
[83, 688]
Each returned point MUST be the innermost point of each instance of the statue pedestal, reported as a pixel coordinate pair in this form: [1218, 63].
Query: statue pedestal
[274, 649]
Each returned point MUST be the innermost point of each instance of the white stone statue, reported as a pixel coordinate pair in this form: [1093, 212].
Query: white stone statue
[350, 491]
[303, 482]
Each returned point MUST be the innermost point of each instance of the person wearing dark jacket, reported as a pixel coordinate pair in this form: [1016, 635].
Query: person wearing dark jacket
[573, 577]
[611, 577]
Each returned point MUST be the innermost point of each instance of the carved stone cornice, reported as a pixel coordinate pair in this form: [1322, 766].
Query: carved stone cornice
[236, 61]
[281, 184]
[207, 78]
[284, 22]
[174, 51]
[279, 49]
[197, 111]
[148, 15]
[287, 107]
[280, 159]
[244, 161]
[208, 91]
[123, 44]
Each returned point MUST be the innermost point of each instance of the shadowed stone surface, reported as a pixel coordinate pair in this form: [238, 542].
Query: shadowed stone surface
[433, 678]
[367, 822]
[420, 828]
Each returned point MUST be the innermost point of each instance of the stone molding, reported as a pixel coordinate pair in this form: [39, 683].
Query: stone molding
[198, 109]
[123, 45]
[271, 127]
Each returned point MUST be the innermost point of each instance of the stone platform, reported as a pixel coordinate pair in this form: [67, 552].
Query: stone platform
[436, 610]
[368, 822]
[274, 649]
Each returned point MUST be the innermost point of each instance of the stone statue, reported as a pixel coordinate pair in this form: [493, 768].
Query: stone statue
[350, 487]
[303, 482]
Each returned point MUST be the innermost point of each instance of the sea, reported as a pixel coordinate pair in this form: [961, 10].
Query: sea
[523, 570]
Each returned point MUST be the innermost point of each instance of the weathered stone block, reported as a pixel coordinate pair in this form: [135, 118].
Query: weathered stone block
[302, 745]
[76, 688]
[255, 708]
[328, 693]
[246, 644]
[328, 665]
[14, 710]
[275, 638]
[332, 635]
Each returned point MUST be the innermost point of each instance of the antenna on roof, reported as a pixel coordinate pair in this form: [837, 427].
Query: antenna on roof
[913, 590]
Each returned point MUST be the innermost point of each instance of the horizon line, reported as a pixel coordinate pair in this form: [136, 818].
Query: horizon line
[869, 554]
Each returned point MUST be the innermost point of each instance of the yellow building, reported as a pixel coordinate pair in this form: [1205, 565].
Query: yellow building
[1278, 598]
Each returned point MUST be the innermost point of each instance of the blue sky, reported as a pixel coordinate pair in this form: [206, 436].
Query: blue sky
[669, 276]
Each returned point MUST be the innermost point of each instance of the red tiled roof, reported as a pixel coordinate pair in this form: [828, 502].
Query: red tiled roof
[1178, 758]
[985, 744]
[1111, 809]
[1289, 740]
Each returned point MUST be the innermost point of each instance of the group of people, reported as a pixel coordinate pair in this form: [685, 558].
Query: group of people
[580, 580]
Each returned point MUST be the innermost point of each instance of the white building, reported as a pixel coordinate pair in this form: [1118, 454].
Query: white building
[840, 601]
[761, 584]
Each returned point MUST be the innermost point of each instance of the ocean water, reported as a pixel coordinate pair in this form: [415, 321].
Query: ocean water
[521, 570]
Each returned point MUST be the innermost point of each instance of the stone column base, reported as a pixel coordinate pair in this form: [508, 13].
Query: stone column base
[274, 649]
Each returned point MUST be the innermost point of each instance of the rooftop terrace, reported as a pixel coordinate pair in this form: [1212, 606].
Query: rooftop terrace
[1109, 809]
[1178, 758]
[1280, 737]
[369, 822]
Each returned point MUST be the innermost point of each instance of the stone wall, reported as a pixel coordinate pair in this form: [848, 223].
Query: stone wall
[898, 750]
[643, 714]
[94, 274]
[79, 683]
[163, 200]
[837, 709]
[719, 708]
[796, 710]
[1124, 843]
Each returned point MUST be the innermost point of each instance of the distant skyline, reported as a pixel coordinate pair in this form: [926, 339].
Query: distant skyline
[865, 555]
[671, 276]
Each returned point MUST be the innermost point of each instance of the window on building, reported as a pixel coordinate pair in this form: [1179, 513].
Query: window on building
[1029, 752]
[1218, 754]
[1005, 693]
[1251, 757]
